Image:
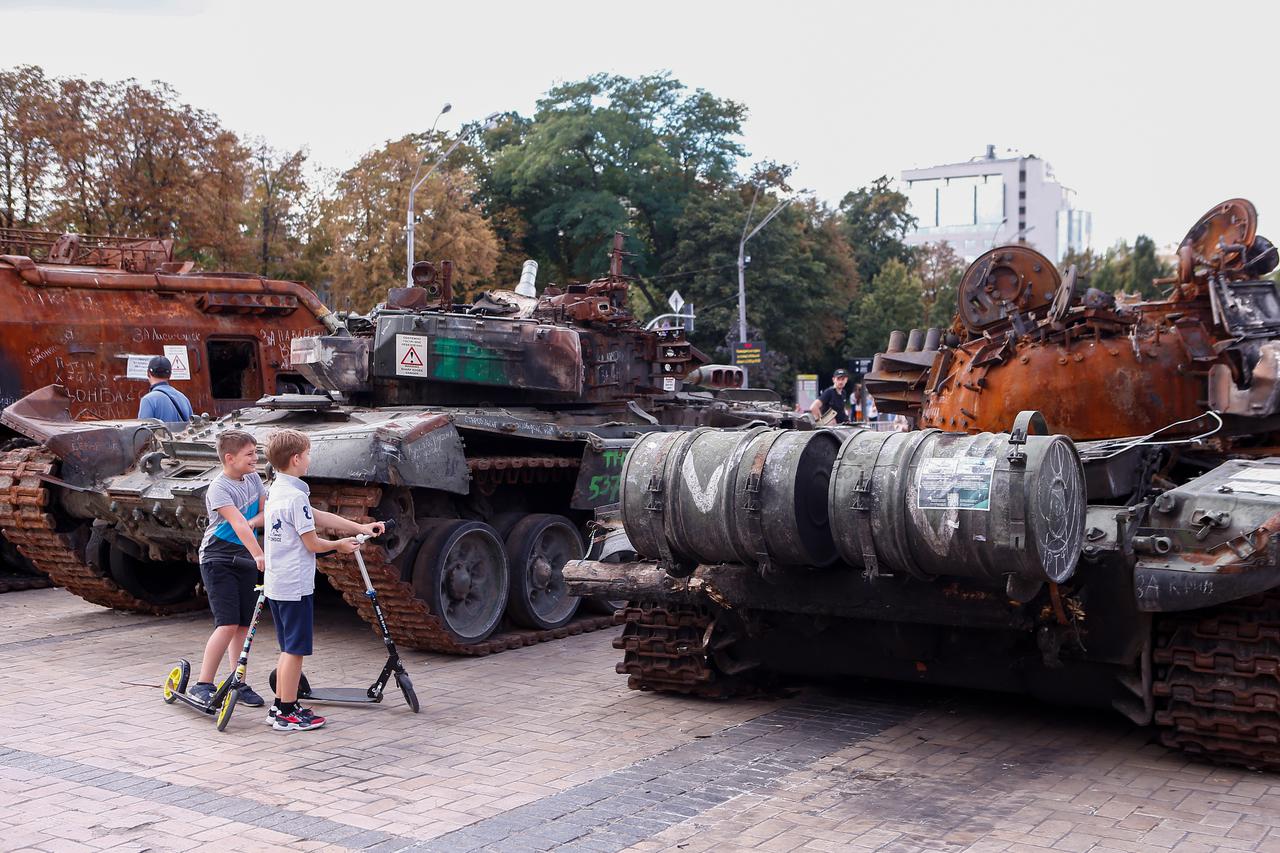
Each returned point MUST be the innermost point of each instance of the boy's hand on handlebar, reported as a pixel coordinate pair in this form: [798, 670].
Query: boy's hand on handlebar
[347, 545]
[373, 528]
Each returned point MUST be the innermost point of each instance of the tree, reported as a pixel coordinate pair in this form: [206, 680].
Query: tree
[1123, 269]
[362, 223]
[26, 102]
[939, 269]
[876, 223]
[277, 196]
[129, 159]
[800, 281]
[605, 154]
[891, 302]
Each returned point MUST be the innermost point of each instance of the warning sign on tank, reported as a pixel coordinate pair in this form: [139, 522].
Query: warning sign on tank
[411, 355]
[957, 483]
[180, 360]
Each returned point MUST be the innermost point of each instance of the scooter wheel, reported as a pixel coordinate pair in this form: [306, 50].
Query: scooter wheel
[304, 686]
[406, 687]
[177, 681]
[228, 705]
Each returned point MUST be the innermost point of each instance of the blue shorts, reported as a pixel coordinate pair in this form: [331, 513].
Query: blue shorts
[293, 624]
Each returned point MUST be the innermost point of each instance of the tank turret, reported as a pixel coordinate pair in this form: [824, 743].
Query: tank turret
[573, 345]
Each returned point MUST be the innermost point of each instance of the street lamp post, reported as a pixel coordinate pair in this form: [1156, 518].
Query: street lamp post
[742, 263]
[489, 123]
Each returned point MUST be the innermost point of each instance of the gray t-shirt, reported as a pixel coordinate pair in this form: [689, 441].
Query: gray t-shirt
[247, 495]
[291, 567]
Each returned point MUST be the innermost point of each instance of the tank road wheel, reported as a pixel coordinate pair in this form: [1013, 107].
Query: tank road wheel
[461, 572]
[539, 546]
[166, 582]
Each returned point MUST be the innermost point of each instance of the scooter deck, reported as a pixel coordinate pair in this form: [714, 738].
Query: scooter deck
[339, 694]
[209, 710]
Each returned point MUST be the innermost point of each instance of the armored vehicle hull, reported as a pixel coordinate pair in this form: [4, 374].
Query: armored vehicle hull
[87, 312]
[1129, 562]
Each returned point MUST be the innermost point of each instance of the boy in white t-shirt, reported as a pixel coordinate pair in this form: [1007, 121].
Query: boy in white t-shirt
[290, 582]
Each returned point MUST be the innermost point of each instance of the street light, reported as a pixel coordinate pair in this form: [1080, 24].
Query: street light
[742, 263]
[490, 122]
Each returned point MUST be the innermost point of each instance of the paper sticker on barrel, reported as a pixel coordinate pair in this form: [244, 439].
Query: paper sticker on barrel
[955, 483]
[748, 353]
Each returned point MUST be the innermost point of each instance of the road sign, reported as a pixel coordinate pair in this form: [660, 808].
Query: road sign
[676, 301]
[748, 352]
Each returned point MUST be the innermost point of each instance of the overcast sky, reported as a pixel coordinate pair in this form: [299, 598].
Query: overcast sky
[1151, 112]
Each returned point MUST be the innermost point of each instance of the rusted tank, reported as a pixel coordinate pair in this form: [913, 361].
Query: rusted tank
[1145, 572]
[489, 432]
[87, 312]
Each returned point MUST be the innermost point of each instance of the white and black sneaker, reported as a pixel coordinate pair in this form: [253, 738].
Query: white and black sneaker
[299, 720]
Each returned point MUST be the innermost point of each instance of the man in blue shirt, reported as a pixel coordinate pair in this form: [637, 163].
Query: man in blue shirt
[163, 401]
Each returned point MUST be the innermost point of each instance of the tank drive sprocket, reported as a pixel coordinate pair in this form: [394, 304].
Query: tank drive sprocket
[1217, 683]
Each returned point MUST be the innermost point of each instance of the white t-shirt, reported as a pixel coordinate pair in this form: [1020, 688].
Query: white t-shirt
[291, 567]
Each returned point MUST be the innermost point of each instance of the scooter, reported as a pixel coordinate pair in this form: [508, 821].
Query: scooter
[223, 701]
[371, 695]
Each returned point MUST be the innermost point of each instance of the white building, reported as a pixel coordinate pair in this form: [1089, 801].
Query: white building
[992, 200]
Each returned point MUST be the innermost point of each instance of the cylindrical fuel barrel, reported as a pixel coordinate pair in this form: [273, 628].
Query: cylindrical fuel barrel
[932, 504]
[722, 496]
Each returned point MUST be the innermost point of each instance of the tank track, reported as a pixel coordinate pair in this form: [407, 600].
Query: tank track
[411, 622]
[1217, 682]
[665, 650]
[17, 583]
[28, 524]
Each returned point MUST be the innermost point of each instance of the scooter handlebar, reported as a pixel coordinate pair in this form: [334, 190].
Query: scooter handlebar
[387, 527]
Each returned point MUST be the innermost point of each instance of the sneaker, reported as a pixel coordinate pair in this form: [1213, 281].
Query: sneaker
[299, 721]
[271, 715]
[202, 693]
[249, 697]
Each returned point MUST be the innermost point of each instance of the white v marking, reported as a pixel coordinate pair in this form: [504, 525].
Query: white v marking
[703, 498]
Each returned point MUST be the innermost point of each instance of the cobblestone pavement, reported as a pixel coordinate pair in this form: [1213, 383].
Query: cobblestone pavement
[545, 748]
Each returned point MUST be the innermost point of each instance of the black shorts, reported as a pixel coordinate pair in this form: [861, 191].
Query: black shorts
[230, 589]
[293, 624]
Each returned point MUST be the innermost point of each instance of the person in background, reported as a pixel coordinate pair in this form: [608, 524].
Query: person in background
[163, 402]
[832, 404]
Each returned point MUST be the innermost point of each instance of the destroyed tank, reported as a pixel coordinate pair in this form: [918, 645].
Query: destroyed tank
[88, 312]
[1087, 512]
[488, 432]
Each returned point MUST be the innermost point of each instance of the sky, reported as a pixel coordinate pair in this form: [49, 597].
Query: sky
[1151, 112]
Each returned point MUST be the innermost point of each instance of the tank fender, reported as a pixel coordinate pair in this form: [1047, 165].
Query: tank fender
[1190, 579]
[420, 452]
[1211, 540]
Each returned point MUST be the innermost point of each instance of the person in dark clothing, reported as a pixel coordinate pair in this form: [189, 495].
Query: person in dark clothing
[163, 402]
[833, 403]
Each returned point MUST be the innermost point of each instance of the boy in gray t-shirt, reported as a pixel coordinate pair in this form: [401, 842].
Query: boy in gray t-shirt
[230, 557]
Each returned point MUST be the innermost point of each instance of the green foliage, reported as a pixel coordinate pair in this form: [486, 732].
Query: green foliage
[891, 302]
[876, 222]
[799, 281]
[1122, 269]
[610, 154]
